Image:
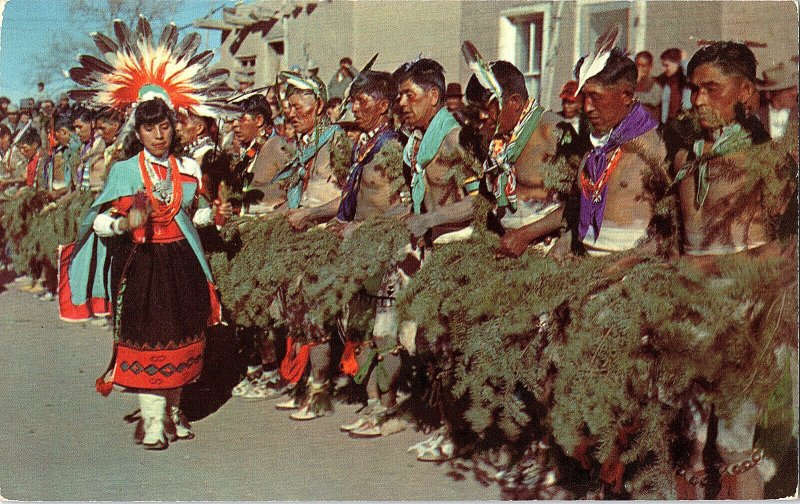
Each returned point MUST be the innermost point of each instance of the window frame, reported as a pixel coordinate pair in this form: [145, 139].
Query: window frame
[507, 47]
[586, 8]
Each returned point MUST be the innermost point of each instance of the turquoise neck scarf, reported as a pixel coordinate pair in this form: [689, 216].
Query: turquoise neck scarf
[296, 169]
[730, 139]
[420, 152]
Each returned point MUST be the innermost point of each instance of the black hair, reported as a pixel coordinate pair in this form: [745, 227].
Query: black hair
[4, 130]
[508, 76]
[110, 115]
[256, 105]
[732, 58]
[30, 137]
[673, 54]
[619, 68]
[84, 114]
[151, 112]
[210, 128]
[644, 54]
[63, 121]
[425, 72]
[378, 85]
[751, 124]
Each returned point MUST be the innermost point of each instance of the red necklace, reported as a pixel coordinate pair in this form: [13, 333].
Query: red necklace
[593, 190]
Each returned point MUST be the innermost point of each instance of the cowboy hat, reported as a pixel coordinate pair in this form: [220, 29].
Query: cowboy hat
[780, 76]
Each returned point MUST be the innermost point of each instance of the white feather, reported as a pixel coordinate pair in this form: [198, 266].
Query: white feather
[482, 71]
[594, 62]
[595, 67]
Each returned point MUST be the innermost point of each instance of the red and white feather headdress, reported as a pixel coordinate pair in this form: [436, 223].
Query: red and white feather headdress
[136, 70]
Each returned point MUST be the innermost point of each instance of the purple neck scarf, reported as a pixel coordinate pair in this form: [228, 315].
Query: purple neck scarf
[636, 123]
[347, 205]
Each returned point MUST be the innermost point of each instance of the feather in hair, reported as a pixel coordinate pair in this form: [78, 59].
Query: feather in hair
[143, 30]
[201, 59]
[94, 64]
[279, 95]
[188, 46]
[596, 61]
[482, 71]
[346, 100]
[246, 96]
[84, 76]
[124, 38]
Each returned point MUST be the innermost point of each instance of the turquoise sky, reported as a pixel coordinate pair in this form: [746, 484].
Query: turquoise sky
[28, 25]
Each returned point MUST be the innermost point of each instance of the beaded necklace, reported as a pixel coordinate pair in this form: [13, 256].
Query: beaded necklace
[593, 190]
[164, 208]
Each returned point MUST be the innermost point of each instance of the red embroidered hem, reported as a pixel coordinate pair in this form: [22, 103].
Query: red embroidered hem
[158, 369]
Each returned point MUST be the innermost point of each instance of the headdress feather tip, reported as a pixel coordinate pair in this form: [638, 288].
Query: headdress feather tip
[595, 62]
[482, 71]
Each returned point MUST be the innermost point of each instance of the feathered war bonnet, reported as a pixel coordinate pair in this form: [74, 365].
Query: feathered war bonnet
[135, 70]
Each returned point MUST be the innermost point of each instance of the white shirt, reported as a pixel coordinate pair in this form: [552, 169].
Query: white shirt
[599, 141]
[778, 121]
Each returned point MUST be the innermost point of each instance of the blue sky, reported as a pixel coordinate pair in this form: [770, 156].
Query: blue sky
[27, 27]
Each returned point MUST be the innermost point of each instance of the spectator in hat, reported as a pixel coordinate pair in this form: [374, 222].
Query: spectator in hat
[12, 118]
[453, 97]
[779, 84]
[573, 125]
[341, 79]
[648, 90]
[43, 120]
[676, 95]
